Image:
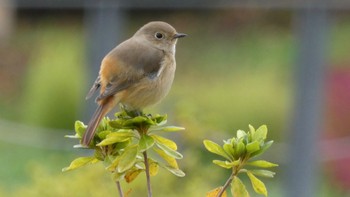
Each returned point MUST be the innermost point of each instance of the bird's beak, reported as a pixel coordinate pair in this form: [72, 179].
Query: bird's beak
[179, 35]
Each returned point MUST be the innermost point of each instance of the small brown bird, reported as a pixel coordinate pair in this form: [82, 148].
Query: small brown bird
[138, 72]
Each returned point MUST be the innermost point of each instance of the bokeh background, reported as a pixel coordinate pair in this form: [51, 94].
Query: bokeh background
[280, 64]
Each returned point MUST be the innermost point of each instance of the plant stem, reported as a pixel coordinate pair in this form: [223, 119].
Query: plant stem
[234, 173]
[149, 189]
[120, 189]
[228, 182]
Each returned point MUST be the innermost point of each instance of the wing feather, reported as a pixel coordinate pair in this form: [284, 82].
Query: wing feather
[94, 87]
[129, 62]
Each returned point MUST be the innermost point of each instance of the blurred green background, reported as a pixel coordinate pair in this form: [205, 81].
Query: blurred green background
[235, 68]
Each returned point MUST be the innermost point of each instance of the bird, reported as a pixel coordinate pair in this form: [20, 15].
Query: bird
[137, 73]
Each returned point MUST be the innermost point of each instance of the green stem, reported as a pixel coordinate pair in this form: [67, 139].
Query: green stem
[228, 182]
[234, 173]
[148, 177]
[120, 189]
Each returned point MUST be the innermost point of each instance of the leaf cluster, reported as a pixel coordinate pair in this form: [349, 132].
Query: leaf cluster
[120, 143]
[237, 153]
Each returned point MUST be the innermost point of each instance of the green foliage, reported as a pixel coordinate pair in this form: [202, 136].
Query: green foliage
[54, 79]
[80, 161]
[120, 144]
[237, 152]
[238, 188]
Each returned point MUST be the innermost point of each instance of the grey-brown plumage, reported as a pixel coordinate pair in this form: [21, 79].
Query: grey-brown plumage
[138, 72]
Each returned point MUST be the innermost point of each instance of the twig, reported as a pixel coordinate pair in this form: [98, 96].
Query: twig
[120, 189]
[147, 174]
[229, 180]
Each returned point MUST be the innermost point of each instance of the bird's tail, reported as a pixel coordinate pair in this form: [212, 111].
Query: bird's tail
[100, 112]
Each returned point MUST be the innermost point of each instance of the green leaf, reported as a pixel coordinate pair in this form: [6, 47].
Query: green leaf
[108, 160]
[128, 158]
[136, 120]
[262, 149]
[238, 188]
[175, 171]
[170, 160]
[118, 136]
[170, 151]
[103, 134]
[240, 149]
[215, 148]
[229, 150]
[262, 164]
[79, 162]
[258, 186]
[122, 145]
[80, 128]
[139, 120]
[160, 119]
[223, 164]
[241, 134]
[112, 167]
[260, 134]
[76, 136]
[128, 113]
[117, 124]
[252, 147]
[121, 114]
[251, 130]
[167, 142]
[168, 129]
[118, 176]
[235, 163]
[145, 142]
[263, 173]
[103, 124]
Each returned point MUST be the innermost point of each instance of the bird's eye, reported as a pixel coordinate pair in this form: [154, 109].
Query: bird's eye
[159, 35]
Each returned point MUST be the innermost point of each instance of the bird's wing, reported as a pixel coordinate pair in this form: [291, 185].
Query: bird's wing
[127, 64]
[94, 87]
